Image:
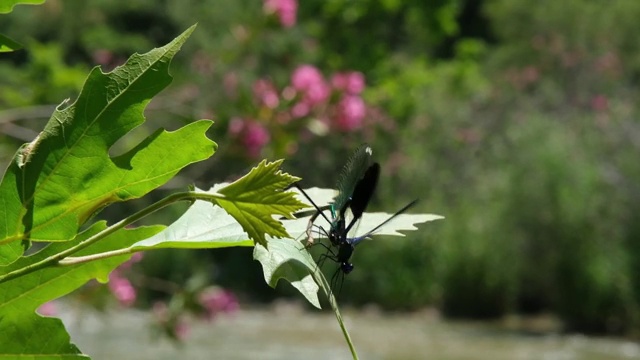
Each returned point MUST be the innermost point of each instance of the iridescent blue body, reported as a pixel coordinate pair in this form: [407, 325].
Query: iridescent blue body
[355, 189]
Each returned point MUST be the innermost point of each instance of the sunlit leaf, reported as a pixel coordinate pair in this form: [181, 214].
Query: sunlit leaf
[29, 335]
[288, 259]
[254, 199]
[6, 6]
[203, 225]
[56, 182]
[7, 44]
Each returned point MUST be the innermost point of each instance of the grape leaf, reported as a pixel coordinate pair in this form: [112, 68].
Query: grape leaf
[7, 44]
[287, 259]
[29, 335]
[56, 182]
[204, 225]
[254, 198]
[6, 6]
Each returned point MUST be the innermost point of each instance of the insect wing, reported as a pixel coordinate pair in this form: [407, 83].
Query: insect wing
[352, 173]
[355, 240]
[363, 192]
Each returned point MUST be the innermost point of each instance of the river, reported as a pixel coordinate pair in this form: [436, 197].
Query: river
[288, 332]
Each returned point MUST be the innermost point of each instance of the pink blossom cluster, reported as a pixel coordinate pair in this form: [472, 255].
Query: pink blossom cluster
[336, 102]
[285, 10]
[48, 309]
[215, 300]
[253, 135]
[313, 91]
[120, 286]
[175, 325]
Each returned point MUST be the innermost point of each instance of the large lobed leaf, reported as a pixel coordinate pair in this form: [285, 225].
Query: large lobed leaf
[289, 260]
[26, 334]
[6, 6]
[56, 182]
[7, 44]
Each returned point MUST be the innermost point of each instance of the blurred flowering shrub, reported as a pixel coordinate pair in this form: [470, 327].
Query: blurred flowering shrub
[172, 316]
[285, 10]
[307, 104]
[119, 284]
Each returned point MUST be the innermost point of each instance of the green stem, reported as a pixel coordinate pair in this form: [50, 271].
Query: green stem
[56, 259]
[83, 259]
[320, 279]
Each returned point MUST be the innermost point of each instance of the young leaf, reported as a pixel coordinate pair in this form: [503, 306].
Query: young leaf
[56, 182]
[288, 259]
[7, 44]
[26, 334]
[204, 225]
[253, 200]
[6, 6]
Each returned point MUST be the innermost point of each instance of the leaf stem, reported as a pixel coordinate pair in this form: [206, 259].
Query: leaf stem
[320, 279]
[83, 259]
[57, 258]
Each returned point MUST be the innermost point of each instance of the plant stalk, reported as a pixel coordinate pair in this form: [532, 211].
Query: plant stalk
[57, 258]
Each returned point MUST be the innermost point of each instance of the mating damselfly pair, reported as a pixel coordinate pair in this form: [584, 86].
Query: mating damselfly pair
[356, 186]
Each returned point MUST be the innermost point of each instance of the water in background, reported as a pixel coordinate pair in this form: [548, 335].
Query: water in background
[287, 332]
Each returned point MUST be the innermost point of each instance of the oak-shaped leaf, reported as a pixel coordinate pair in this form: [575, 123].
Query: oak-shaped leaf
[60, 179]
[25, 334]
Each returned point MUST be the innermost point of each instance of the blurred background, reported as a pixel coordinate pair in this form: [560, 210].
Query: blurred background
[516, 122]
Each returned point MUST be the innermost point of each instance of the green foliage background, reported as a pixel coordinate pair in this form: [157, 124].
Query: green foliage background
[516, 122]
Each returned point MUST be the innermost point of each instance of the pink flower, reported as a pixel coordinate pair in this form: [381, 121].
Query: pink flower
[300, 109]
[599, 103]
[161, 311]
[284, 9]
[216, 300]
[181, 329]
[47, 309]
[350, 113]
[103, 57]
[305, 76]
[309, 81]
[351, 82]
[253, 135]
[230, 84]
[136, 257]
[266, 93]
[236, 126]
[122, 289]
[317, 93]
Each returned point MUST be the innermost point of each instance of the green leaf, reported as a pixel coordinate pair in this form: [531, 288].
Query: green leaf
[402, 222]
[206, 225]
[56, 182]
[288, 259]
[29, 335]
[203, 226]
[253, 200]
[6, 6]
[8, 45]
